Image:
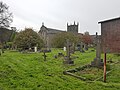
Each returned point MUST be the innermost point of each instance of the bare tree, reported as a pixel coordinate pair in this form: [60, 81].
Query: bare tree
[6, 17]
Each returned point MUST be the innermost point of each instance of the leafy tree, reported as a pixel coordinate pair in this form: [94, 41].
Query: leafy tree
[87, 39]
[5, 15]
[28, 39]
[59, 39]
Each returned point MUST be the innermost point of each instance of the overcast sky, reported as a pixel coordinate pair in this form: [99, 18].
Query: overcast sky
[56, 13]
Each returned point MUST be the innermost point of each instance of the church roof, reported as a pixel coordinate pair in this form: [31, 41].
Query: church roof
[50, 30]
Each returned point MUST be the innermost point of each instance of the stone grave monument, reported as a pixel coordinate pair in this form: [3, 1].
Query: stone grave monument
[67, 57]
[64, 49]
[72, 48]
[44, 55]
[81, 47]
[97, 61]
[35, 49]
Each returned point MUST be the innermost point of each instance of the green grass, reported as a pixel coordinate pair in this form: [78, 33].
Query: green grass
[30, 72]
[90, 73]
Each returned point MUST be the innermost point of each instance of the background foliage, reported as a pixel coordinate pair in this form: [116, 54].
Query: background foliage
[59, 40]
[28, 39]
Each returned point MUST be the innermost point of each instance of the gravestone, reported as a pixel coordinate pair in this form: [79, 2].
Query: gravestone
[67, 58]
[55, 56]
[72, 48]
[35, 49]
[97, 61]
[86, 47]
[44, 55]
[60, 54]
[81, 47]
[64, 48]
[78, 47]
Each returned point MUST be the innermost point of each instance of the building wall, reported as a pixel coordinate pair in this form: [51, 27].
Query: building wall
[110, 35]
[5, 35]
[49, 39]
[43, 34]
[47, 35]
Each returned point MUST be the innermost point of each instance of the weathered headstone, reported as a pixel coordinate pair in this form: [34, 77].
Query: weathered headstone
[78, 47]
[55, 56]
[72, 48]
[67, 58]
[44, 55]
[86, 47]
[64, 48]
[35, 49]
[81, 47]
[60, 54]
[97, 61]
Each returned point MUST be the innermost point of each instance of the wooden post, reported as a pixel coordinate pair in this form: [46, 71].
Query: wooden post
[104, 67]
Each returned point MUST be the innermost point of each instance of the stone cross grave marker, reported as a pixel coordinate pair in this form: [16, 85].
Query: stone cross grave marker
[97, 61]
[81, 47]
[67, 58]
[72, 48]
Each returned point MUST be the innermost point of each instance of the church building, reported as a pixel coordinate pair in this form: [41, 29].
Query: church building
[47, 34]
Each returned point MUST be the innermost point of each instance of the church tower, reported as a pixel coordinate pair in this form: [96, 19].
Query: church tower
[73, 28]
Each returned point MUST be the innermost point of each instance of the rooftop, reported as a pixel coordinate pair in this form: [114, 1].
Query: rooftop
[109, 20]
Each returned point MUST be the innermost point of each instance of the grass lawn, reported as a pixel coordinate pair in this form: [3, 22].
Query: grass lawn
[20, 71]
